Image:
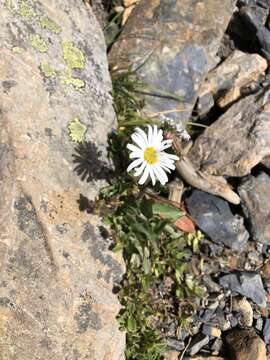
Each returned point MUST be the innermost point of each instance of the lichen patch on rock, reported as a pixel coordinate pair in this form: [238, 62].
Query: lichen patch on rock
[77, 130]
[73, 56]
[38, 43]
[47, 23]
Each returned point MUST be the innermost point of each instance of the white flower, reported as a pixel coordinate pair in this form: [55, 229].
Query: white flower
[150, 157]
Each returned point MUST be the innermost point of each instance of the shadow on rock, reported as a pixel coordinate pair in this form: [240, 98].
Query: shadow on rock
[89, 163]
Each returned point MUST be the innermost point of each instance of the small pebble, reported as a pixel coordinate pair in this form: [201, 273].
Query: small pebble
[211, 331]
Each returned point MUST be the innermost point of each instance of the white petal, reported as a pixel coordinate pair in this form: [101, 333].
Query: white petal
[160, 135]
[134, 164]
[155, 131]
[150, 135]
[135, 155]
[172, 157]
[140, 169]
[167, 166]
[165, 145]
[134, 148]
[138, 139]
[159, 140]
[144, 176]
[143, 135]
[152, 175]
[168, 141]
[161, 175]
[163, 159]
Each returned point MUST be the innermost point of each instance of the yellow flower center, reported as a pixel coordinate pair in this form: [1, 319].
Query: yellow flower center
[150, 155]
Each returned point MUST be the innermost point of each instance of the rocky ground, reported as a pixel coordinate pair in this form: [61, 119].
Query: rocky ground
[216, 59]
[57, 272]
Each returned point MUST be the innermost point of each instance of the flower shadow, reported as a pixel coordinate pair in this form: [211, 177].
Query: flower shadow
[89, 162]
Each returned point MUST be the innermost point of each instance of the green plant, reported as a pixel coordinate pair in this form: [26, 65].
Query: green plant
[157, 255]
[159, 286]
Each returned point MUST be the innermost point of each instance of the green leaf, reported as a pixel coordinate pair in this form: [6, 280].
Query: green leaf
[139, 228]
[146, 265]
[166, 211]
[131, 324]
[146, 252]
[135, 260]
[146, 207]
[117, 248]
[190, 282]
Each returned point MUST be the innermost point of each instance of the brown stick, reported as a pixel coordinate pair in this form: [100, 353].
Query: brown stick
[215, 185]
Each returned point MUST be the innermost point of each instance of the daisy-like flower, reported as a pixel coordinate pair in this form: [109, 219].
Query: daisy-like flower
[150, 158]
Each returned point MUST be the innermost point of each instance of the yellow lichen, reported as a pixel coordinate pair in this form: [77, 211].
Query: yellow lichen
[77, 130]
[73, 56]
[17, 50]
[38, 43]
[47, 70]
[8, 4]
[78, 84]
[26, 11]
[47, 23]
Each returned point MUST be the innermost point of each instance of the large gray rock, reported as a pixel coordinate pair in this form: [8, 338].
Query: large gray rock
[238, 140]
[57, 274]
[245, 345]
[247, 284]
[214, 217]
[225, 82]
[173, 44]
[255, 196]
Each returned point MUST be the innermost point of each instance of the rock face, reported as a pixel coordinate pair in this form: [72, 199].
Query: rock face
[175, 44]
[238, 140]
[245, 345]
[57, 273]
[243, 307]
[225, 82]
[255, 194]
[214, 217]
[246, 284]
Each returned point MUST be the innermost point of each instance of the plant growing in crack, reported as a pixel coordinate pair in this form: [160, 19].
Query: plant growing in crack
[160, 287]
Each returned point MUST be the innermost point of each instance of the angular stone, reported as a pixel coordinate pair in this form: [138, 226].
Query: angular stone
[197, 343]
[266, 162]
[259, 8]
[219, 150]
[243, 307]
[57, 274]
[172, 355]
[173, 45]
[175, 345]
[266, 270]
[246, 284]
[266, 331]
[256, 29]
[207, 358]
[255, 195]
[211, 330]
[214, 217]
[227, 80]
[245, 345]
[128, 3]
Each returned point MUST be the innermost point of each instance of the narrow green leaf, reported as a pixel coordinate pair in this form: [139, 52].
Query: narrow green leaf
[146, 265]
[167, 211]
[131, 324]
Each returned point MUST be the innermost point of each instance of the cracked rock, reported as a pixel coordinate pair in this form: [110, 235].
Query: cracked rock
[245, 345]
[214, 217]
[255, 195]
[225, 82]
[158, 35]
[247, 284]
[238, 140]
